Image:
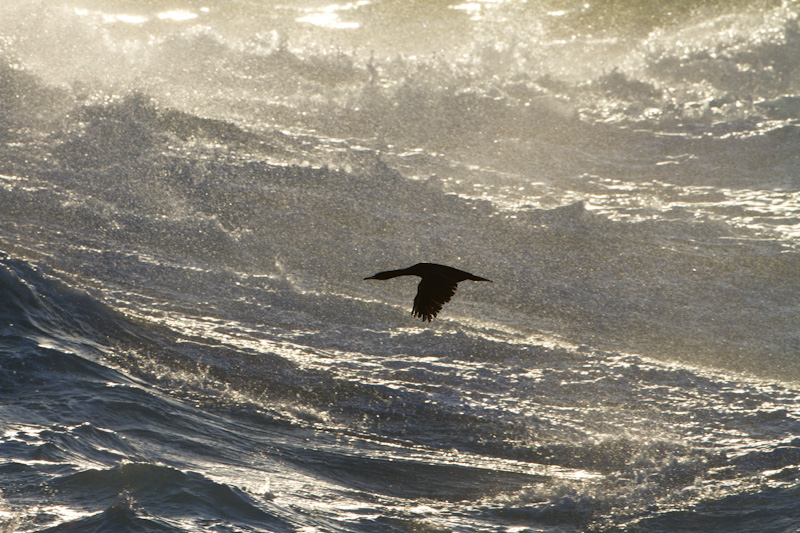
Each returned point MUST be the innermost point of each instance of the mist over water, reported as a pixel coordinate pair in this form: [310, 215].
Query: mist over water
[192, 193]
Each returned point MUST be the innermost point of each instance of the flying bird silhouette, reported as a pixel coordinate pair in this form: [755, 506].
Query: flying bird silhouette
[437, 286]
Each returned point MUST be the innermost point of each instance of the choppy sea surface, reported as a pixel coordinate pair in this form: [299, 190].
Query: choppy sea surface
[191, 193]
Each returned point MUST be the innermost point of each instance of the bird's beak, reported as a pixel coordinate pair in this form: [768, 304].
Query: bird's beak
[371, 277]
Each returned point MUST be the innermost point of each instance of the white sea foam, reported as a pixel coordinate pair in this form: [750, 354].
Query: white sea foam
[204, 188]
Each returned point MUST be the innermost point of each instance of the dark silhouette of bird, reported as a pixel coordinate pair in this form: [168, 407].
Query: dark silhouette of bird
[437, 286]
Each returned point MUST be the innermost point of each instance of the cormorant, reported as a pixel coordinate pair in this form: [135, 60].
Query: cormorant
[437, 286]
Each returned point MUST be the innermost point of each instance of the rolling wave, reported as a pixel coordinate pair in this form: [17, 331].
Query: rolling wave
[190, 199]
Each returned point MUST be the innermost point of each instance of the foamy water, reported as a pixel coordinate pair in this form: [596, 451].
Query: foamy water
[191, 195]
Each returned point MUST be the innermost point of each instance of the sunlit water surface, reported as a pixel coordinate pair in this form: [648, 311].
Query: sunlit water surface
[191, 194]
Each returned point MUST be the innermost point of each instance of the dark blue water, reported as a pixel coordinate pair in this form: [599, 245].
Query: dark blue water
[191, 196]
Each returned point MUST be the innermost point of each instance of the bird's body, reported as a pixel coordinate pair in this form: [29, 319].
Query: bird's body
[437, 286]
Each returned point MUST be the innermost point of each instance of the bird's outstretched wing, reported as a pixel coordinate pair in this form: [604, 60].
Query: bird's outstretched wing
[432, 294]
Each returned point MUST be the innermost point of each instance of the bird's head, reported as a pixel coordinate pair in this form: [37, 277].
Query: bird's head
[380, 275]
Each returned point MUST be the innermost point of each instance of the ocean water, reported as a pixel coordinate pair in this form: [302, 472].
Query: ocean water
[191, 193]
